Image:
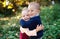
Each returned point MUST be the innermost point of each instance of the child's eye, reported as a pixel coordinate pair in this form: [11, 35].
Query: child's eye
[27, 15]
[28, 10]
[24, 16]
[31, 10]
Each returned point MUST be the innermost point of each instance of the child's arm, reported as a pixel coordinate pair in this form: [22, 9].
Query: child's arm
[22, 23]
[31, 32]
[28, 32]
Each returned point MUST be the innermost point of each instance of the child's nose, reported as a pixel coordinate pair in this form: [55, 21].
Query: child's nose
[29, 11]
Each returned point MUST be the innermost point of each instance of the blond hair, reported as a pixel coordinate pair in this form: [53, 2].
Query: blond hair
[34, 5]
[25, 10]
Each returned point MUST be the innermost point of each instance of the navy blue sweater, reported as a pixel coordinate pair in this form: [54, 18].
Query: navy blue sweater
[32, 24]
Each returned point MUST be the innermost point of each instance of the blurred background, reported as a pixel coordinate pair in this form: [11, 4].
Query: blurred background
[10, 14]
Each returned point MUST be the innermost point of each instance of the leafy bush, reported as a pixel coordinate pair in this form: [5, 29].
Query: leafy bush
[50, 14]
[9, 29]
[51, 19]
[56, 11]
[46, 15]
[10, 33]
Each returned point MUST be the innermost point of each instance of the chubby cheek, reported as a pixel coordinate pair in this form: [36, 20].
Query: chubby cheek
[23, 18]
[27, 17]
[31, 15]
[35, 12]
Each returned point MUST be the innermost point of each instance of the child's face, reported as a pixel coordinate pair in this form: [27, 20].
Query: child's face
[33, 11]
[26, 17]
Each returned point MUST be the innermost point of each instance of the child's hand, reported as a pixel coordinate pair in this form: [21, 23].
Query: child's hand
[38, 28]
[42, 27]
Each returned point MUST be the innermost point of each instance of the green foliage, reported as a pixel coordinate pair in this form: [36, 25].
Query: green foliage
[51, 19]
[47, 14]
[51, 32]
[2, 22]
[6, 12]
[56, 11]
[50, 14]
[10, 33]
